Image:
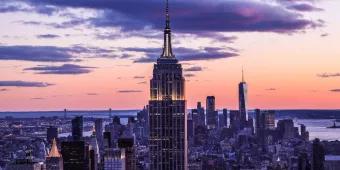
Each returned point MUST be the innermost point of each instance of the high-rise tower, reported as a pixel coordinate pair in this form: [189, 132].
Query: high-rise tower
[167, 106]
[54, 160]
[242, 93]
[212, 115]
[77, 128]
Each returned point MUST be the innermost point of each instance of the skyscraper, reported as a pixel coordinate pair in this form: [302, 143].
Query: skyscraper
[234, 116]
[77, 128]
[54, 160]
[318, 155]
[99, 132]
[114, 159]
[127, 144]
[168, 135]
[242, 93]
[75, 155]
[52, 133]
[200, 115]
[212, 115]
[223, 119]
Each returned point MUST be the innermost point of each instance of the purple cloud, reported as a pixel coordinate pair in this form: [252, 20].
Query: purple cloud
[37, 98]
[183, 54]
[63, 69]
[19, 83]
[50, 53]
[324, 35]
[92, 94]
[129, 91]
[194, 68]
[48, 36]
[142, 82]
[35, 53]
[328, 75]
[189, 75]
[139, 77]
[335, 90]
[304, 7]
[190, 15]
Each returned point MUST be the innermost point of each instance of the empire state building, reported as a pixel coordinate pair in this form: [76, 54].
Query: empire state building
[167, 106]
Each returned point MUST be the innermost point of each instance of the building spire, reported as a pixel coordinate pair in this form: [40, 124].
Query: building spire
[167, 49]
[242, 75]
[167, 15]
[54, 150]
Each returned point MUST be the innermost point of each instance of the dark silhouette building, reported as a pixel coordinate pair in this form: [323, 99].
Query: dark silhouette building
[234, 116]
[242, 93]
[200, 115]
[212, 115]
[75, 155]
[318, 155]
[223, 119]
[107, 140]
[77, 128]
[130, 156]
[54, 160]
[167, 110]
[52, 133]
[99, 133]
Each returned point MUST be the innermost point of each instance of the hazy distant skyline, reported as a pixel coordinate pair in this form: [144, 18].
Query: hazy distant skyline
[85, 54]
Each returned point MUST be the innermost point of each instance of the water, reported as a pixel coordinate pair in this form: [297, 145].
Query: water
[316, 121]
[317, 128]
[85, 113]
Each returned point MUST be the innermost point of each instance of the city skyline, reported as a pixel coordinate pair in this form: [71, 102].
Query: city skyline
[84, 57]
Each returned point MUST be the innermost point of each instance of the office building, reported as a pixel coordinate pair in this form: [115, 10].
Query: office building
[200, 115]
[99, 133]
[234, 116]
[52, 133]
[54, 160]
[318, 155]
[127, 144]
[167, 110]
[242, 93]
[212, 114]
[75, 155]
[114, 159]
[77, 128]
[223, 119]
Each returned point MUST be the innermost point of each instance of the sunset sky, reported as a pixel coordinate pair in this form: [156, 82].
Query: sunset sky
[97, 54]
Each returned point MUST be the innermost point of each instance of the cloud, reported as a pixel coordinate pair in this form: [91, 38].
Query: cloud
[48, 36]
[129, 91]
[92, 94]
[189, 75]
[19, 83]
[63, 69]
[139, 77]
[52, 53]
[335, 90]
[189, 16]
[37, 98]
[6, 7]
[328, 75]
[183, 54]
[142, 82]
[194, 68]
[304, 7]
[35, 53]
[271, 89]
[324, 35]
[3, 90]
